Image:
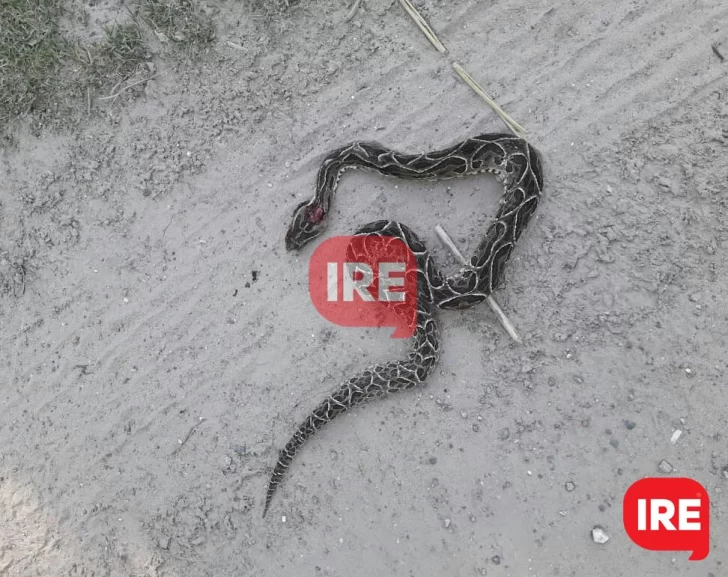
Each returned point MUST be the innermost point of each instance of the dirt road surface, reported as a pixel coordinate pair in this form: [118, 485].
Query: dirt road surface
[159, 345]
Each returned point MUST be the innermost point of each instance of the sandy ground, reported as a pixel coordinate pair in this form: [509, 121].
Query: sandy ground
[132, 319]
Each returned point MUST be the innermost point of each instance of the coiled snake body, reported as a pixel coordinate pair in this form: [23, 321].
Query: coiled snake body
[513, 161]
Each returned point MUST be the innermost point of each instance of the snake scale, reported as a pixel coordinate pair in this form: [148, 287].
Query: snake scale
[513, 161]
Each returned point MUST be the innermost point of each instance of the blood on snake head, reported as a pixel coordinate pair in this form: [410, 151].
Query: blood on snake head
[308, 223]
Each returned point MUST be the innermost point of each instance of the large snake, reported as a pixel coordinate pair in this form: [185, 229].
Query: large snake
[513, 161]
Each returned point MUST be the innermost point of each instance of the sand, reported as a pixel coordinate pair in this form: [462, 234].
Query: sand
[160, 345]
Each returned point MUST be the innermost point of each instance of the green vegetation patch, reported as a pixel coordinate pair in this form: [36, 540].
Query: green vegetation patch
[178, 21]
[32, 50]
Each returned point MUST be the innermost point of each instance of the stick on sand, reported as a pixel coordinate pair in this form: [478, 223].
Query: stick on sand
[494, 306]
[424, 26]
[515, 128]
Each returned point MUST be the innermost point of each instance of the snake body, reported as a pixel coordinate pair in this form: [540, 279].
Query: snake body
[513, 161]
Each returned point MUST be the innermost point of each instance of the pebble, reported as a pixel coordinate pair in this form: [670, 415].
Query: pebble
[496, 559]
[665, 467]
[476, 427]
[630, 424]
[599, 535]
[464, 415]
[504, 433]
[526, 368]
[432, 460]
[725, 472]
[614, 443]
[570, 486]
[675, 436]
[447, 523]
[695, 297]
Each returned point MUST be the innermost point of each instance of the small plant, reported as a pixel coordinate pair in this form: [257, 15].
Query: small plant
[32, 49]
[114, 59]
[179, 21]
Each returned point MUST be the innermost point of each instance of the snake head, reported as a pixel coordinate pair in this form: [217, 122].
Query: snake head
[308, 223]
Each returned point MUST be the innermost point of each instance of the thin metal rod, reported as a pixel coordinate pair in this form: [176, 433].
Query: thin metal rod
[494, 306]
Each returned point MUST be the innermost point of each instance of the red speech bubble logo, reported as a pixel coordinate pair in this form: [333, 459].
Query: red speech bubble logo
[365, 281]
[668, 514]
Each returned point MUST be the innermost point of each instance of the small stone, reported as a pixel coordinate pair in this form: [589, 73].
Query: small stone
[476, 427]
[599, 535]
[126, 300]
[432, 460]
[614, 443]
[496, 559]
[464, 415]
[629, 424]
[472, 518]
[447, 523]
[665, 467]
[283, 519]
[675, 436]
[526, 368]
[570, 486]
[504, 434]
[695, 297]
[725, 472]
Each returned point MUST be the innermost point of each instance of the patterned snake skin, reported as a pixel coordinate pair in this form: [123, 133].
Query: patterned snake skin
[513, 161]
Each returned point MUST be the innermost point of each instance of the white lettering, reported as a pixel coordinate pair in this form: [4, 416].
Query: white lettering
[686, 511]
[332, 281]
[386, 282]
[661, 511]
[360, 286]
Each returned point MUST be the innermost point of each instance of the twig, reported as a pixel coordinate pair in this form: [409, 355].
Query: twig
[423, 25]
[494, 306]
[353, 11]
[129, 86]
[447, 241]
[88, 101]
[717, 52]
[187, 437]
[516, 128]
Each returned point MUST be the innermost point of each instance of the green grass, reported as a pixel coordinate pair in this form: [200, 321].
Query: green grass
[32, 49]
[178, 21]
[116, 58]
[43, 71]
